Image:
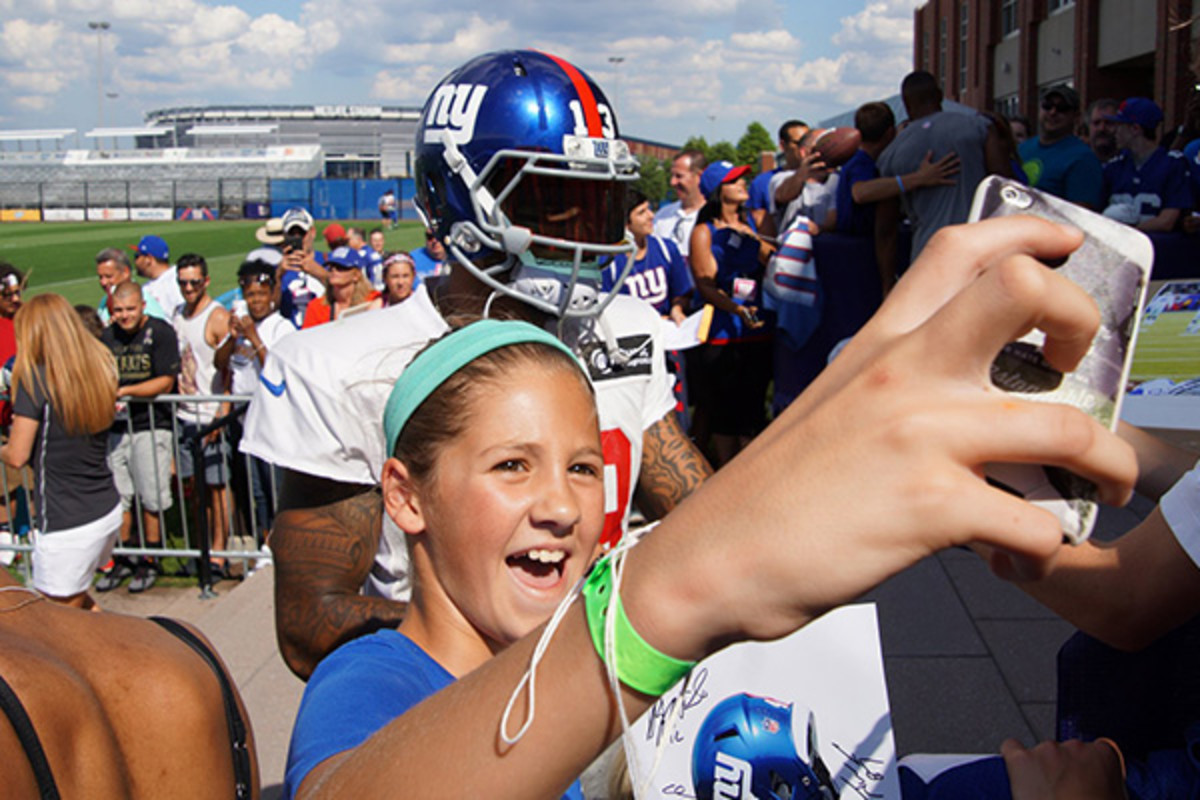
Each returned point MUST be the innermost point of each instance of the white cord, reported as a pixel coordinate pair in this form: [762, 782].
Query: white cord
[610, 659]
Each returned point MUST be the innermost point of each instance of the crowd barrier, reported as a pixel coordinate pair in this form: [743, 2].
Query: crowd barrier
[188, 525]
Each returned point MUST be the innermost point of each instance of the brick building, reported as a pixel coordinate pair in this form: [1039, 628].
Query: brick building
[1000, 54]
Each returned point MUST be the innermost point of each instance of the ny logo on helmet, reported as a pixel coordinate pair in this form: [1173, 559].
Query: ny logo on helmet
[732, 778]
[454, 108]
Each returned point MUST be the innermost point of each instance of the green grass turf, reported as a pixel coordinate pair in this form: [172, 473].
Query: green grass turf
[62, 255]
[1164, 351]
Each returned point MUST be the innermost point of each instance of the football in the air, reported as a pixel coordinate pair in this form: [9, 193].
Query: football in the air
[837, 145]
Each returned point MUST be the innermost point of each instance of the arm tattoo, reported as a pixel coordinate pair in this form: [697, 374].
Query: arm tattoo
[672, 468]
[322, 556]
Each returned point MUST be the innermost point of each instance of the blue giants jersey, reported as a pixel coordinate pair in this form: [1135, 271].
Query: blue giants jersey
[1161, 182]
[658, 278]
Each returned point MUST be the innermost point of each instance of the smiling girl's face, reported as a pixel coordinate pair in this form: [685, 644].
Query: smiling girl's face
[509, 517]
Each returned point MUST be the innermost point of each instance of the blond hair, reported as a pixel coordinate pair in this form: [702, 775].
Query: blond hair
[74, 370]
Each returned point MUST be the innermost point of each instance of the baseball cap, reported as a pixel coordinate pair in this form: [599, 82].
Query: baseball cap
[346, 257]
[1139, 111]
[720, 172]
[1065, 92]
[152, 246]
[297, 218]
[334, 233]
[271, 232]
[268, 255]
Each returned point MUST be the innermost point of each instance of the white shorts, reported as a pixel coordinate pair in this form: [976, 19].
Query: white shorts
[65, 561]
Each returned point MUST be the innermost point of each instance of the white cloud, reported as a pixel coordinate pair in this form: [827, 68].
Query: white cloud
[776, 41]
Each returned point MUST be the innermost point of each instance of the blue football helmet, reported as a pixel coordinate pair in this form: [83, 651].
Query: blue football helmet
[520, 173]
[744, 749]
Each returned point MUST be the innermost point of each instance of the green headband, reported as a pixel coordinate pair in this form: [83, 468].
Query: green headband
[434, 365]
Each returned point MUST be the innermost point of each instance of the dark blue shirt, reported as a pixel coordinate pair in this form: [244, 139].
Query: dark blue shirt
[658, 278]
[854, 218]
[1160, 182]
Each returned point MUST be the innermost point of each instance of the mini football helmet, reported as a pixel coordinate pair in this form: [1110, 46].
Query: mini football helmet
[745, 749]
[520, 173]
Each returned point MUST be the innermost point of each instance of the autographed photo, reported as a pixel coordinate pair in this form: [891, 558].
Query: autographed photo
[809, 711]
[1164, 381]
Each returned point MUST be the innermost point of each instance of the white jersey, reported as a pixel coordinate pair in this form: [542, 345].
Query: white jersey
[319, 405]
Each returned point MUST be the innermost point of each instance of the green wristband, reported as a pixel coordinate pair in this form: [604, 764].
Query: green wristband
[639, 666]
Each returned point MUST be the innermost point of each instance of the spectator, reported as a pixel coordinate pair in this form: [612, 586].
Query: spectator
[931, 130]
[346, 289]
[152, 260]
[659, 276]
[389, 209]
[254, 329]
[334, 235]
[798, 187]
[1101, 130]
[377, 240]
[64, 393]
[399, 274]
[860, 186]
[1021, 129]
[12, 282]
[430, 260]
[139, 445]
[1008, 144]
[760, 195]
[728, 375]
[202, 325]
[112, 269]
[811, 187]
[1145, 185]
[90, 320]
[124, 706]
[372, 261]
[1058, 161]
[675, 220]
[300, 277]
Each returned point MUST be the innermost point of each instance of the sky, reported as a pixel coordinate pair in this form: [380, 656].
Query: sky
[689, 67]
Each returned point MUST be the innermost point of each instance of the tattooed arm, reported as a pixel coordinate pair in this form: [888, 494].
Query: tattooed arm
[672, 468]
[324, 542]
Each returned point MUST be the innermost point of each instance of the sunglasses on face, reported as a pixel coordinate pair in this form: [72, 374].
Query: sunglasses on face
[341, 267]
[1062, 108]
[189, 282]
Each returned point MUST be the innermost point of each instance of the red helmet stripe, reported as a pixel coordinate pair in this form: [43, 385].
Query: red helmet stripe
[591, 113]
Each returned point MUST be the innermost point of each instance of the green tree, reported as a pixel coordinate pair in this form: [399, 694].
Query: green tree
[755, 141]
[652, 178]
[722, 151]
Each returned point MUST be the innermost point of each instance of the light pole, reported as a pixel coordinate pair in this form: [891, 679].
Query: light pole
[617, 61]
[99, 28]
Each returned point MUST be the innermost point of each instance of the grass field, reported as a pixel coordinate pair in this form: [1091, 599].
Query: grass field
[62, 255]
[1165, 351]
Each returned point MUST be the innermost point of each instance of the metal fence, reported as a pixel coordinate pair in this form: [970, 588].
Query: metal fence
[188, 527]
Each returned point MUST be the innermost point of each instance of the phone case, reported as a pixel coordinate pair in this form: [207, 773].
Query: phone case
[1113, 265]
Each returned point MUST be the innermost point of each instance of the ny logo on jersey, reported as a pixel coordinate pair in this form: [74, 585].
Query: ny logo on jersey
[454, 108]
[731, 778]
[650, 285]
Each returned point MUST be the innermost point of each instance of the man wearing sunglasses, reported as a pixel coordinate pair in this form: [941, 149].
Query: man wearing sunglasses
[1058, 161]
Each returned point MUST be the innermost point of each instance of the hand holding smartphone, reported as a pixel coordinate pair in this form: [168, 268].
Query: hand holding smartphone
[1113, 265]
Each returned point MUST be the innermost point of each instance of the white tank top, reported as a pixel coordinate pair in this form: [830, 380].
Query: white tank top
[197, 373]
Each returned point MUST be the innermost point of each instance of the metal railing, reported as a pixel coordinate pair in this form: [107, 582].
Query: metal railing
[187, 525]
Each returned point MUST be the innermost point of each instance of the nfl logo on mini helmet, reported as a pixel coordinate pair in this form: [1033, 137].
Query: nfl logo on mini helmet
[520, 173]
[745, 749]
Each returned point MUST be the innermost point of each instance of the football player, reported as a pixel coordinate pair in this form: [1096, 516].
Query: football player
[521, 175]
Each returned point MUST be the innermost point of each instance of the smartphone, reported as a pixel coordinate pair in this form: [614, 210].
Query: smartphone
[1113, 265]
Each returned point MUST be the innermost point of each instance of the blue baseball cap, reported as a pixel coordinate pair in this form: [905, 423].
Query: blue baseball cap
[1138, 111]
[346, 257]
[152, 246]
[720, 172]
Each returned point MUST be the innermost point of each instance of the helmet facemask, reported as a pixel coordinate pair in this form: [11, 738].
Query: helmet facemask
[551, 217]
